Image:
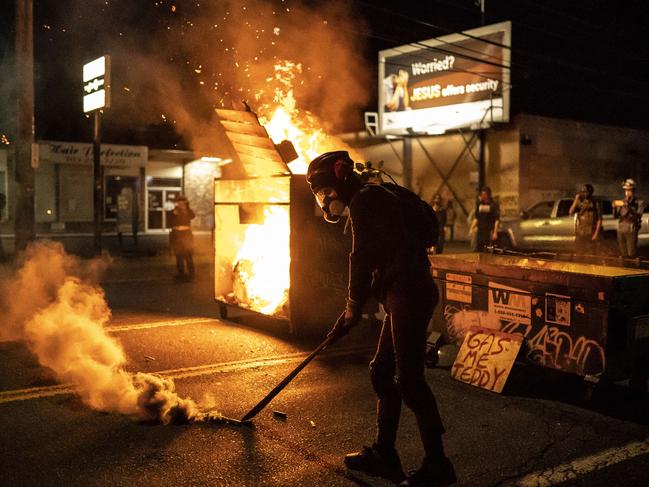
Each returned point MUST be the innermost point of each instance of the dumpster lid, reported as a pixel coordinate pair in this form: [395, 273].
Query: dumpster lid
[538, 264]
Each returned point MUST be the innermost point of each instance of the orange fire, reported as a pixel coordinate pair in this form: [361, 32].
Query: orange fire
[284, 121]
[261, 271]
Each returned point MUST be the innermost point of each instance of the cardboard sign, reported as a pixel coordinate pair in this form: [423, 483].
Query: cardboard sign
[486, 358]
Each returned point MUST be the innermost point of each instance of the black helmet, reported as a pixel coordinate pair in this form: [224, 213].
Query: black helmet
[330, 169]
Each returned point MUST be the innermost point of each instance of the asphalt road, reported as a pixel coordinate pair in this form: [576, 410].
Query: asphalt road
[540, 431]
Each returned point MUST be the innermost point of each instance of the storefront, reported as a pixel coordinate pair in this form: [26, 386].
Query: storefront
[140, 187]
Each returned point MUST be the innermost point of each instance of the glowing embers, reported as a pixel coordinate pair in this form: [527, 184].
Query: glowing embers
[283, 120]
[261, 271]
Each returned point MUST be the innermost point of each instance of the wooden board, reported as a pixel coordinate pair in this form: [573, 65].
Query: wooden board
[251, 140]
[262, 167]
[237, 116]
[244, 128]
[486, 358]
[258, 152]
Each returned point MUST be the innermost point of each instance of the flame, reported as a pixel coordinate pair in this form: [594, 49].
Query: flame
[261, 270]
[284, 121]
[261, 276]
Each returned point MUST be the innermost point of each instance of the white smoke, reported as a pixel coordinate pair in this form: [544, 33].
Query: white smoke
[54, 304]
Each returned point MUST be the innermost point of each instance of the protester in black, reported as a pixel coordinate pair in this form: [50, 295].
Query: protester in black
[588, 222]
[182, 239]
[389, 262]
[486, 220]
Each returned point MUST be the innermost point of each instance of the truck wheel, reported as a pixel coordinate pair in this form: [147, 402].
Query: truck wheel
[223, 311]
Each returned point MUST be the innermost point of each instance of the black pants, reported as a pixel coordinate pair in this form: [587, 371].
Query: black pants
[182, 243]
[397, 369]
[585, 245]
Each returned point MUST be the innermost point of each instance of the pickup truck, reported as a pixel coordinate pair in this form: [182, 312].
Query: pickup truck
[546, 225]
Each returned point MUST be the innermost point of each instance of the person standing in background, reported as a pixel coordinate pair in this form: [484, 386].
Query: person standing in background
[450, 219]
[440, 212]
[588, 222]
[486, 221]
[182, 239]
[629, 213]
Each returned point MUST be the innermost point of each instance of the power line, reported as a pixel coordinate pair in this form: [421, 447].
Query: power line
[570, 65]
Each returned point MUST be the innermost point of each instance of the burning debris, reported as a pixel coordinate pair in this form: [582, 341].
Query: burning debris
[54, 304]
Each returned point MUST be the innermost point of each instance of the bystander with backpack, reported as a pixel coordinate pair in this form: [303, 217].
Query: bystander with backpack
[392, 229]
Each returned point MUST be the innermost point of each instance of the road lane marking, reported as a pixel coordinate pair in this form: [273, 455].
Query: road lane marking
[154, 324]
[183, 373]
[585, 465]
[158, 324]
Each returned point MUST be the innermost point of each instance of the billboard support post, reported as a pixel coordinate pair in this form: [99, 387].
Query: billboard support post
[482, 176]
[407, 162]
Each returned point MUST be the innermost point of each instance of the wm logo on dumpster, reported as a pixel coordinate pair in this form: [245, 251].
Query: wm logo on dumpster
[510, 304]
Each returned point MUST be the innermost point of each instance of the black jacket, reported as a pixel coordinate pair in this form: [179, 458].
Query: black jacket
[383, 252]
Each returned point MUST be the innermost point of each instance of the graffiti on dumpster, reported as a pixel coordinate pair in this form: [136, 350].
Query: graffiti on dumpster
[549, 346]
[553, 347]
[460, 320]
[486, 358]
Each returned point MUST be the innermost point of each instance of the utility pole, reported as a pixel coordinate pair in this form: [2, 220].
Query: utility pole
[24, 173]
[98, 182]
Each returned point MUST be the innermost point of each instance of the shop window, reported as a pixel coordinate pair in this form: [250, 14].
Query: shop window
[76, 193]
[160, 203]
[113, 188]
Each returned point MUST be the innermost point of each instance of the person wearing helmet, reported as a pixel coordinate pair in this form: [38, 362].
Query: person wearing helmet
[588, 221]
[389, 262]
[440, 212]
[629, 213]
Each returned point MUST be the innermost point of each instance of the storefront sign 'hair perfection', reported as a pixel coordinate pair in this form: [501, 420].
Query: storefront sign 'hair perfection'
[80, 153]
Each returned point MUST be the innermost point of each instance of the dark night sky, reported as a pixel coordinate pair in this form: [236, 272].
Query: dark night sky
[579, 59]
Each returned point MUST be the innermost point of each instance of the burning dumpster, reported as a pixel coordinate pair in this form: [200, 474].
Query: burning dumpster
[585, 319]
[274, 254]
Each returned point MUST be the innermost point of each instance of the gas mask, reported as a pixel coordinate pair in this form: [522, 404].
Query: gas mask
[330, 203]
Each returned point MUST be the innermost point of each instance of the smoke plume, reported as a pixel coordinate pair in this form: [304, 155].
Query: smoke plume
[54, 305]
[175, 62]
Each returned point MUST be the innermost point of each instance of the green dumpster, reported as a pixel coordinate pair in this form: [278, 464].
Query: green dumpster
[585, 319]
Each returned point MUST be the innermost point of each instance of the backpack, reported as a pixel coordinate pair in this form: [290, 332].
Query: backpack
[419, 217]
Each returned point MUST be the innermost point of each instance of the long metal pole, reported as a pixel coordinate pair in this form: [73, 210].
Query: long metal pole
[280, 387]
[24, 176]
[98, 181]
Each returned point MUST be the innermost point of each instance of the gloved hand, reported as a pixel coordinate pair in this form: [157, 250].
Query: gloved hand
[345, 322]
[340, 329]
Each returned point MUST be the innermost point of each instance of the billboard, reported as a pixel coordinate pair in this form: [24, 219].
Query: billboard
[455, 81]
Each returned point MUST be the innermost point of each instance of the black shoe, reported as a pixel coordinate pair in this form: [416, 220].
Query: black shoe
[437, 473]
[377, 463]
[180, 278]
